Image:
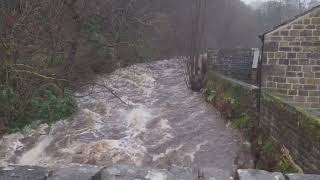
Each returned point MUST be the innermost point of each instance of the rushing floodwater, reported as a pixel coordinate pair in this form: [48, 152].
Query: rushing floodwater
[164, 124]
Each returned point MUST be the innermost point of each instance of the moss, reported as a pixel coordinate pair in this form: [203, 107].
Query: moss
[308, 123]
[300, 132]
[280, 102]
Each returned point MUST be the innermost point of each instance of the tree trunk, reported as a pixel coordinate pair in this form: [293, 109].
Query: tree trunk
[75, 42]
[196, 65]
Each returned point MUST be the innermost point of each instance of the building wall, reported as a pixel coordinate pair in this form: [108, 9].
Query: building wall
[291, 60]
[235, 63]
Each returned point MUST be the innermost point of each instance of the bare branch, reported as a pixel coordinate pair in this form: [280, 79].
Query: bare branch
[107, 89]
[40, 75]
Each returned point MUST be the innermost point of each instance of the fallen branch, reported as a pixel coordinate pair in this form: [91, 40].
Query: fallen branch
[40, 75]
[24, 65]
[108, 89]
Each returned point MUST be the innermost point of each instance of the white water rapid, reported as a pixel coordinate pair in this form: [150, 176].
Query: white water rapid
[165, 124]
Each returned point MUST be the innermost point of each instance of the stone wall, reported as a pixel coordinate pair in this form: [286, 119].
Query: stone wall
[235, 63]
[125, 172]
[291, 60]
[235, 99]
[293, 128]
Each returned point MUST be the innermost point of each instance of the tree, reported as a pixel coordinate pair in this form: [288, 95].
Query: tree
[196, 69]
[313, 3]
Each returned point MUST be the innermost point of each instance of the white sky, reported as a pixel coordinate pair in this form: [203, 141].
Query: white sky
[250, 1]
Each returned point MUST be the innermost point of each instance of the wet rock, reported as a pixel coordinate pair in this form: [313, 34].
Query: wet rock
[124, 172]
[215, 174]
[23, 172]
[74, 172]
[303, 177]
[252, 174]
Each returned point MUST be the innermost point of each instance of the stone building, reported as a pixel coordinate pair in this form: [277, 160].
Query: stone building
[291, 60]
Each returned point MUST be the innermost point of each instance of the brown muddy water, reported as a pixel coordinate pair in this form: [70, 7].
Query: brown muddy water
[164, 125]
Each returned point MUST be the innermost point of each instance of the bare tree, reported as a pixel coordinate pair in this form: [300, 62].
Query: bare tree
[195, 66]
[75, 36]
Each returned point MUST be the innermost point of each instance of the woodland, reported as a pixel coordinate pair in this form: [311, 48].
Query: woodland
[51, 48]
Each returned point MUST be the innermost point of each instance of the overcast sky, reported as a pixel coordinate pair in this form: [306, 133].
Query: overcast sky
[249, 1]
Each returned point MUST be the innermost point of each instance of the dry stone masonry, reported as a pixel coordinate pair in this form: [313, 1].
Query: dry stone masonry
[291, 60]
[235, 63]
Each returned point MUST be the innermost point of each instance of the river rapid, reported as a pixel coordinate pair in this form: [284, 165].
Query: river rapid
[161, 124]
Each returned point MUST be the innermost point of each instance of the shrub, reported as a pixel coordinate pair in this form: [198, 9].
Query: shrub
[43, 107]
[242, 122]
[31, 97]
[210, 95]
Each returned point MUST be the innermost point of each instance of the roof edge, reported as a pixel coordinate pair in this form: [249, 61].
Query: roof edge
[291, 20]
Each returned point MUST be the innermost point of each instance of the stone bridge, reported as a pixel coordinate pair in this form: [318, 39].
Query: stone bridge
[124, 172]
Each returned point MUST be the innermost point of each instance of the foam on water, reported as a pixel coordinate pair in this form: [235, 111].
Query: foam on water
[152, 175]
[164, 124]
[8, 146]
[36, 155]
[161, 124]
[167, 152]
[137, 119]
[198, 147]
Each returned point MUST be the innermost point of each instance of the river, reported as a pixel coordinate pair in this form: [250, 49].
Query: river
[161, 124]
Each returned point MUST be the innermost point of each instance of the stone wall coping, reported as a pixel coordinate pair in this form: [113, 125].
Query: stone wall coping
[236, 82]
[291, 107]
